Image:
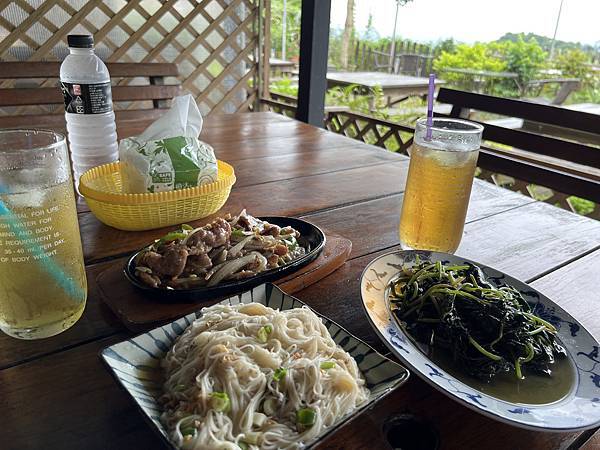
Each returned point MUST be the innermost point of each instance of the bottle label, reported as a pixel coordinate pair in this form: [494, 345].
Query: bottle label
[87, 98]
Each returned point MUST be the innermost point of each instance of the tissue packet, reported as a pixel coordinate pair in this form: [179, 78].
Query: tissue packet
[168, 155]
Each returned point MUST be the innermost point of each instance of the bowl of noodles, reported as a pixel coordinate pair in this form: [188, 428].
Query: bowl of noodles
[256, 371]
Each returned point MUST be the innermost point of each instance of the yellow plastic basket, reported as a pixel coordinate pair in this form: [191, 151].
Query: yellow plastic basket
[102, 189]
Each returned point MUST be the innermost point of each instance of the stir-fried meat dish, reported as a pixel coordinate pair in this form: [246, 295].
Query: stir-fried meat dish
[230, 248]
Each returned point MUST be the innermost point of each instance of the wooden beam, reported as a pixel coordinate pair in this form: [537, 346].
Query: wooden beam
[266, 69]
[551, 114]
[314, 46]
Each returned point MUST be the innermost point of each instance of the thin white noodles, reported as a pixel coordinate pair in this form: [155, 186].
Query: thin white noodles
[222, 352]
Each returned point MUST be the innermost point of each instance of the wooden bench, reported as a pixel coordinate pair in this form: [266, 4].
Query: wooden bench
[560, 164]
[565, 87]
[155, 92]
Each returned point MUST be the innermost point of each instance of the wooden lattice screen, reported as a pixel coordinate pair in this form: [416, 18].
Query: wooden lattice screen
[215, 43]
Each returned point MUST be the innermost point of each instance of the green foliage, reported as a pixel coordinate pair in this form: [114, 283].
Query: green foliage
[525, 58]
[520, 57]
[572, 63]
[293, 27]
[581, 205]
[575, 64]
[284, 86]
[357, 99]
[370, 33]
[545, 42]
[479, 56]
[447, 45]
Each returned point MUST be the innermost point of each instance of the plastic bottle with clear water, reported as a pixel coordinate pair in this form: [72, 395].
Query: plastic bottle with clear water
[85, 83]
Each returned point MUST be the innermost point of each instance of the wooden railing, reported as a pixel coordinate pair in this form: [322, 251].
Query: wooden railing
[398, 138]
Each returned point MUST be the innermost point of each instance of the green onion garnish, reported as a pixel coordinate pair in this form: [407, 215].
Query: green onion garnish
[279, 374]
[291, 243]
[188, 431]
[326, 365]
[186, 227]
[242, 445]
[306, 417]
[263, 333]
[238, 234]
[220, 401]
[173, 236]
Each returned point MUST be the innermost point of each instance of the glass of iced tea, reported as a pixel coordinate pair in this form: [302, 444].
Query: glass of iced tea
[440, 176]
[43, 287]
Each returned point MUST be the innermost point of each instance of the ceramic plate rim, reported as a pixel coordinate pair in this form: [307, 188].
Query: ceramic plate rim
[396, 383]
[473, 406]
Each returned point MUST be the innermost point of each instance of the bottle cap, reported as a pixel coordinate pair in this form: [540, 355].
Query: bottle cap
[80, 40]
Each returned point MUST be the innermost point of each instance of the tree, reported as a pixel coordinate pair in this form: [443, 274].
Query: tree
[348, 32]
[370, 33]
[573, 63]
[525, 58]
[292, 37]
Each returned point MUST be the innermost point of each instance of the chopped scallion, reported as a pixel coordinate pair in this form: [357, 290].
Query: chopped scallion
[306, 417]
[263, 333]
[279, 374]
[220, 401]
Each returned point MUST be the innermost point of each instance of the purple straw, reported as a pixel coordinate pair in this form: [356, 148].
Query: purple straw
[430, 106]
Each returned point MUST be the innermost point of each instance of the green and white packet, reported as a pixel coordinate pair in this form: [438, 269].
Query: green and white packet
[168, 155]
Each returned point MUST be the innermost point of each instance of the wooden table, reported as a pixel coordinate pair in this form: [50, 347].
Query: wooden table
[395, 87]
[281, 66]
[56, 394]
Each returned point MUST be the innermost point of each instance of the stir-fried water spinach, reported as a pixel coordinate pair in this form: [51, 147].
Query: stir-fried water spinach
[487, 329]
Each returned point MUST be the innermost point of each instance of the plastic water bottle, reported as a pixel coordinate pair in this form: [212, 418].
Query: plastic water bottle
[85, 83]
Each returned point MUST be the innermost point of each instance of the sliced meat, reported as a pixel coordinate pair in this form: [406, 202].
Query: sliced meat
[280, 250]
[247, 222]
[272, 260]
[290, 231]
[150, 280]
[198, 263]
[270, 230]
[211, 236]
[170, 264]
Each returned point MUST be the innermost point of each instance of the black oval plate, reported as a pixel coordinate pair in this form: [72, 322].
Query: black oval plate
[311, 237]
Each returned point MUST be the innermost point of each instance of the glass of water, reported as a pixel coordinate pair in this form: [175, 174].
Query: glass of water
[43, 287]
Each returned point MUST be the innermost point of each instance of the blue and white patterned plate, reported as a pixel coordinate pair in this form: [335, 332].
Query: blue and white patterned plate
[135, 362]
[578, 410]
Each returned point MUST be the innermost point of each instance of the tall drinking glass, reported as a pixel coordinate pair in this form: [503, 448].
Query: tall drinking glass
[439, 183]
[43, 287]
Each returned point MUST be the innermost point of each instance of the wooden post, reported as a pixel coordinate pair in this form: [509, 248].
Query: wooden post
[266, 46]
[314, 46]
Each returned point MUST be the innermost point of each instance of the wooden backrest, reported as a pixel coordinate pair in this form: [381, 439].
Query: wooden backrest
[156, 91]
[537, 169]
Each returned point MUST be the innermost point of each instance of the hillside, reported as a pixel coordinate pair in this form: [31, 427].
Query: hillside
[545, 42]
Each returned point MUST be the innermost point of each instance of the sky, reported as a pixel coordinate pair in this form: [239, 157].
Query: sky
[473, 20]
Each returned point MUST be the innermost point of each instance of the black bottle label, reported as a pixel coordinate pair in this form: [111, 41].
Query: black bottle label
[87, 98]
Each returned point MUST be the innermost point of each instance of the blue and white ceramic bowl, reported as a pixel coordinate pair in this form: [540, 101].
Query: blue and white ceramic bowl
[135, 362]
[578, 410]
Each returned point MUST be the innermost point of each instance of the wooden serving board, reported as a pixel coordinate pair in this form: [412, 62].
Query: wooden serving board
[137, 310]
